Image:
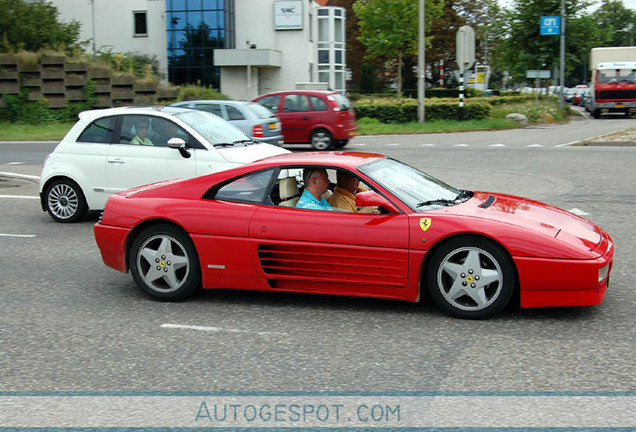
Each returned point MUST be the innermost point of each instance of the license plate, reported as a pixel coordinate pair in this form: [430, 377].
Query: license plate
[273, 126]
[619, 106]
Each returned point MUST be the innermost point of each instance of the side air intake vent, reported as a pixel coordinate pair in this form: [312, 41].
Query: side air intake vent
[489, 201]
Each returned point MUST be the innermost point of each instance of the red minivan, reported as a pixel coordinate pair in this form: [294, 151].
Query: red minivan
[322, 118]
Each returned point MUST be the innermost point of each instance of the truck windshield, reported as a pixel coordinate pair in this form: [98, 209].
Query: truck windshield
[606, 76]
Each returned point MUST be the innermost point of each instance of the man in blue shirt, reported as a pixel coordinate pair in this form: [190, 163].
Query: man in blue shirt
[316, 183]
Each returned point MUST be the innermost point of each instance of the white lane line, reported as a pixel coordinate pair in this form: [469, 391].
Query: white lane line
[534, 145]
[426, 145]
[25, 176]
[460, 145]
[358, 144]
[220, 329]
[15, 163]
[496, 145]
[392, 144]
[19, 196]
[578, 211]
[17, 235]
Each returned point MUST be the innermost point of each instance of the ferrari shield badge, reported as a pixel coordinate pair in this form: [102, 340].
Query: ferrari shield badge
[425, 223]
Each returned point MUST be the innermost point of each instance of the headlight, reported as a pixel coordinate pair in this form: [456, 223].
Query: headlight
[603, 272]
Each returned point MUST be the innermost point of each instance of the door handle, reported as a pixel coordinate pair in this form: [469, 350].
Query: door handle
[115, 161]
[305, 118]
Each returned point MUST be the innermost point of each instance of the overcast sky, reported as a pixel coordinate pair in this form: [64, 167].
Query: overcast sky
[631, 4]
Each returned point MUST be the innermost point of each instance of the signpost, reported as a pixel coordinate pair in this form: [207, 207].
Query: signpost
[465, 46]
[551, 25]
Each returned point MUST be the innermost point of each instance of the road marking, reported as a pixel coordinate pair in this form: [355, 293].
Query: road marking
[392, 144]
[578, 211]
[460, 145]
[534, 145]
[358, 144]
[25, 176]
[19, 196]
[497, 145]
[15, 163]
[18, 235]
[220, 329]
[426, 145]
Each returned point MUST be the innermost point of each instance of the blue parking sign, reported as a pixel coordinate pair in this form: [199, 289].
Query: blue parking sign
[550, 25]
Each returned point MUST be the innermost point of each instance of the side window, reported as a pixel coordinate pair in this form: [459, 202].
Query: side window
[137, 130]
[164, 129]
[211, 108]
[251, 188]
[233, 113]
[270, 102]
[318, 104]
[100, 131]
[295, 103]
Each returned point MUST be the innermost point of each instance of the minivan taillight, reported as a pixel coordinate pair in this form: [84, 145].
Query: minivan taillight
[257, 131]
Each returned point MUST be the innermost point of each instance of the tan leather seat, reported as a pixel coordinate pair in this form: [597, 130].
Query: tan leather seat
[288, 192]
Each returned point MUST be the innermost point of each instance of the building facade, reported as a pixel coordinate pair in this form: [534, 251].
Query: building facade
[242, 47]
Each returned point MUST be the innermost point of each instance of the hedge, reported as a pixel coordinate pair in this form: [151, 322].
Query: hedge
[405, 110]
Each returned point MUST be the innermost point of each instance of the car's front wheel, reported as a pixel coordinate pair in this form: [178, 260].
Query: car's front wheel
[164, 263]
[471, 277]
[321, 139]
[64, 201]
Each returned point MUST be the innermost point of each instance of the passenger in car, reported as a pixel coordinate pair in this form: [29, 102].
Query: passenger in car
[344, 195]
[142, 131]
[316, 183]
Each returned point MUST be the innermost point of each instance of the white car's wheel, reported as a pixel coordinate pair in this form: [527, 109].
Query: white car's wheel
[164, 263]
[471, 277]
[65, 201]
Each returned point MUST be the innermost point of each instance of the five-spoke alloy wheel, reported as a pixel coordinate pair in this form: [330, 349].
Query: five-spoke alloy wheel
[164, 263]
[321, 139]
[471, 277]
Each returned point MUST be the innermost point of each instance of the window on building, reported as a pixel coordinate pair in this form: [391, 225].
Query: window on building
[141, 23]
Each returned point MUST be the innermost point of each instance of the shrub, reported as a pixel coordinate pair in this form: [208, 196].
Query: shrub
[405, 110]
[196, 92]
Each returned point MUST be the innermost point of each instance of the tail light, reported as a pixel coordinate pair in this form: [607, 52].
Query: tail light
[257, 131]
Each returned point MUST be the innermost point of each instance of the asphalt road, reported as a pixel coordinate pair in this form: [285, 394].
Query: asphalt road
[68, 323]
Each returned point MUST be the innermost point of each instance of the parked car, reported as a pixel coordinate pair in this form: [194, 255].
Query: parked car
[252, 119]
[322, 118]
[472, 251]
[114, 149]
[568, 94]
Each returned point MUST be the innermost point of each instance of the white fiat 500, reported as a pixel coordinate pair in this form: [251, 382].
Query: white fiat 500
[111, 150]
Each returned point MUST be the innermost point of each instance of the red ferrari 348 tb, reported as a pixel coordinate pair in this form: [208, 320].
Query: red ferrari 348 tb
[410, 232]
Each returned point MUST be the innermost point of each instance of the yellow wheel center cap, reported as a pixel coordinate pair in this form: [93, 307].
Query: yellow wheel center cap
[162, 264]
[470, 279]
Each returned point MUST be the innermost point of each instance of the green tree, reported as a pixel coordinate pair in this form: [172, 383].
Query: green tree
[34, 25]
[615, 23]
[389, 29]
[525, 48]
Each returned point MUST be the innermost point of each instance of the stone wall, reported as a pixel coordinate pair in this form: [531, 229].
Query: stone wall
[61, 81]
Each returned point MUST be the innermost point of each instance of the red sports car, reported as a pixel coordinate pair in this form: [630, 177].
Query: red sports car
[240, 229]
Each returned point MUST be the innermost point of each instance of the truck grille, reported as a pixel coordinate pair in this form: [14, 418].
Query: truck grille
[617, 94]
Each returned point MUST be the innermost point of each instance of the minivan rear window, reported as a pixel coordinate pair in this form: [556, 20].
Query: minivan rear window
[342, 101]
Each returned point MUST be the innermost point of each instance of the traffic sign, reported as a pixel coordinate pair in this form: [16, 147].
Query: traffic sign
[465, 41]
[550, 25]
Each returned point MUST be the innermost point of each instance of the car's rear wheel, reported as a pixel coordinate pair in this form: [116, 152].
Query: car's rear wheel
[321, 139]
[164, 263]
[471, 277]
[64, 201]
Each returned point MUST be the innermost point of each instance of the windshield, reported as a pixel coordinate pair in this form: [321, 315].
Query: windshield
[616, 76]
[214, 129]
[414, 188]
